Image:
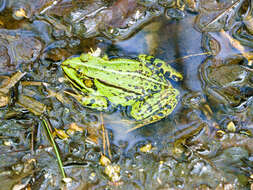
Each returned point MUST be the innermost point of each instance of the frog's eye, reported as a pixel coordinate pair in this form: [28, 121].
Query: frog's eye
[88, 83]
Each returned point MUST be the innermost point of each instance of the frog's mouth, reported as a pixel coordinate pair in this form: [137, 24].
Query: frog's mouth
[76, 84]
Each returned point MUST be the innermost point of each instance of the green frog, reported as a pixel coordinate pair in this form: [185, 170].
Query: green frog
[139, 84]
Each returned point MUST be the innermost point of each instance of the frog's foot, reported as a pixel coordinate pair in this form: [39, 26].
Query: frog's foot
[145, 122]
[99, 103]
[152, 119]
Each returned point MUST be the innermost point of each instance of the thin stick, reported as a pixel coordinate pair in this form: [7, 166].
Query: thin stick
[103, 133]
[47, 126]
[32, 140]
[108, 144]
[188, 56]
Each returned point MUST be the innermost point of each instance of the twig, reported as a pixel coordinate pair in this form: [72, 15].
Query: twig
[48, 130]
[108, 144]
[103, 133]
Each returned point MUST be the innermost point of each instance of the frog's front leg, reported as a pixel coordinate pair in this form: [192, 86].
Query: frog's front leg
[99, 103]
[162, 66]
[154, 108]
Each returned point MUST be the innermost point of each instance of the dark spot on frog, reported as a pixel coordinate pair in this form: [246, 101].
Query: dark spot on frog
[168, 106]
[119, 107]
[167, 74]
[149, 91]
[159, 64]
[128, 109]
[161, 70]
[92, 101]
[129, 85]
[146, 84]
[115, 94]
[155, 87]
[157, 72]
[127, 98]
[149, 109]
[152, 59]
[94, 87]
[160, 114]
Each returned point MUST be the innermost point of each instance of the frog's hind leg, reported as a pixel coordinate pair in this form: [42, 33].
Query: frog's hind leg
[165, 68]
[162, 66]
[154, 108]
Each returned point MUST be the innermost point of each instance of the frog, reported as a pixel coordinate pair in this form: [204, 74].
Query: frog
[141, 85]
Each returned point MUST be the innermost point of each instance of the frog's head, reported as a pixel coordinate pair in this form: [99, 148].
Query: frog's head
[73, 69]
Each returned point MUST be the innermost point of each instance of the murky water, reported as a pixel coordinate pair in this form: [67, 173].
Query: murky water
[205, 143]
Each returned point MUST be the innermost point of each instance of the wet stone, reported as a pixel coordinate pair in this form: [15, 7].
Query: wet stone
[225, 80]
[16, 47]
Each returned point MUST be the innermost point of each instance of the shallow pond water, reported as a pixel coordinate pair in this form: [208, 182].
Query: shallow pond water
[205, 143]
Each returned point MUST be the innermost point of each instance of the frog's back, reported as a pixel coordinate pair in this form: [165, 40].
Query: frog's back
[128, 74]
